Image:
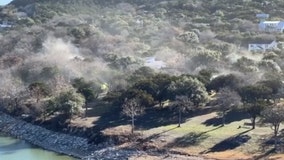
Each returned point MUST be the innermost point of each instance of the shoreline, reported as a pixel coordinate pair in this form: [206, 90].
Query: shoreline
[76, 147]
[60, 143]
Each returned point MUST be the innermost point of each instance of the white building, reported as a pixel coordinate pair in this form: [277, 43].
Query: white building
[153, 63]
[5, 24]
[271, 26]
[262, 46]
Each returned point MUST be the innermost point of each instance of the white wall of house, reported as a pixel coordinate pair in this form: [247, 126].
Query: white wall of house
[262, 47]
[5, 24]
[257, 47]
[271, 26]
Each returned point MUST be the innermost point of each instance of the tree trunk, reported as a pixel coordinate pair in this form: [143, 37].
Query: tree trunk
[253, 122]
[132, 124]
[86, 110]
[37, 97]
[160, 103]
[276, 128]
[44, 115]
[223, 119]
[179, 117]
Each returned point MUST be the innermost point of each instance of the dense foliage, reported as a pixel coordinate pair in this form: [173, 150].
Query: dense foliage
[70, 54]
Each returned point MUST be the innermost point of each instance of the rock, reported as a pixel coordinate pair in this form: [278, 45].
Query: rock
[58, 142]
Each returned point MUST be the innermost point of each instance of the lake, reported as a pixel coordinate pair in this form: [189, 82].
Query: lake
[15, 149]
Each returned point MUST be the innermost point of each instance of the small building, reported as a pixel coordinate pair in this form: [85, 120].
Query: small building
[262, 46]
[271, 26]
[5, 24]
[153, 63]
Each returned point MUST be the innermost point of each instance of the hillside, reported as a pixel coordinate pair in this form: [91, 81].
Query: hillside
[71, 63]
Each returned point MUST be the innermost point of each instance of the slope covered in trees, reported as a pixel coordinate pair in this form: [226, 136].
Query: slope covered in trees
[64, 57]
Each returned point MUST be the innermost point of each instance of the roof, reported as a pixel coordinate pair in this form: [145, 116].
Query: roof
[153, 63]
[262, 15]
[262, 41]
[270, 22]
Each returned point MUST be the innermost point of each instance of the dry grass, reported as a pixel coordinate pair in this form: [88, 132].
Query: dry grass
[84, 122]
[229, 155]
[277, 157]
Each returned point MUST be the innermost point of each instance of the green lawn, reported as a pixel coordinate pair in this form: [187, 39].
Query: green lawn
[200, 134]
[196, 137]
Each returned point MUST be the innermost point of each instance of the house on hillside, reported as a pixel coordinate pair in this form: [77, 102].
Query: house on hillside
[271, 26]
[153, 63]
[5, 24]
[262, 46]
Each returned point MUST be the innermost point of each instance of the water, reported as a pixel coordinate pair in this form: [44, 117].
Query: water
[14, 149]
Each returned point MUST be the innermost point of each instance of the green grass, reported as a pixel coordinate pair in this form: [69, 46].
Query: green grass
[212, 135]
[199, 134]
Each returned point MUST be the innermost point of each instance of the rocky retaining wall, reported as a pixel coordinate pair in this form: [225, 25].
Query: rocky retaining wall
[74, 146]
[49, 140]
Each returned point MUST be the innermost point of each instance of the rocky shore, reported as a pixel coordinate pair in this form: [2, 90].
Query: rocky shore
[114, 153]
[77, 147]
[61, 143]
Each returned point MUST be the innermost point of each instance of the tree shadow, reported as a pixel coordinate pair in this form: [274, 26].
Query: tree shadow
[153, 117]
[161, 117]
[98, 108]
[190, 139]
[230, 143]
[230, 117]
[55, 123]
[156, 135]
[158, 117]
[268, 144]
[265, 154]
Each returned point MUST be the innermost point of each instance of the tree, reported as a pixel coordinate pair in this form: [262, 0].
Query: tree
[254, 109]
[147, 85]
[89, 90]
[145, 98]
[225, 101]
[68, 103]
[274, 115]
[156, 85]
[189, 86]
[132, 108]
[182, 104]
[189, 37]
[254, 92]
[255, 98]
[224, 81]
[275, 85]
[142, 73]
[205, 57]
[48, 73]
[204, 76]
[38, 90]
[161, 83]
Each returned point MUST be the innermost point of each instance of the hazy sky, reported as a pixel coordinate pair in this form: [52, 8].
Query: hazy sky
[4, 2]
